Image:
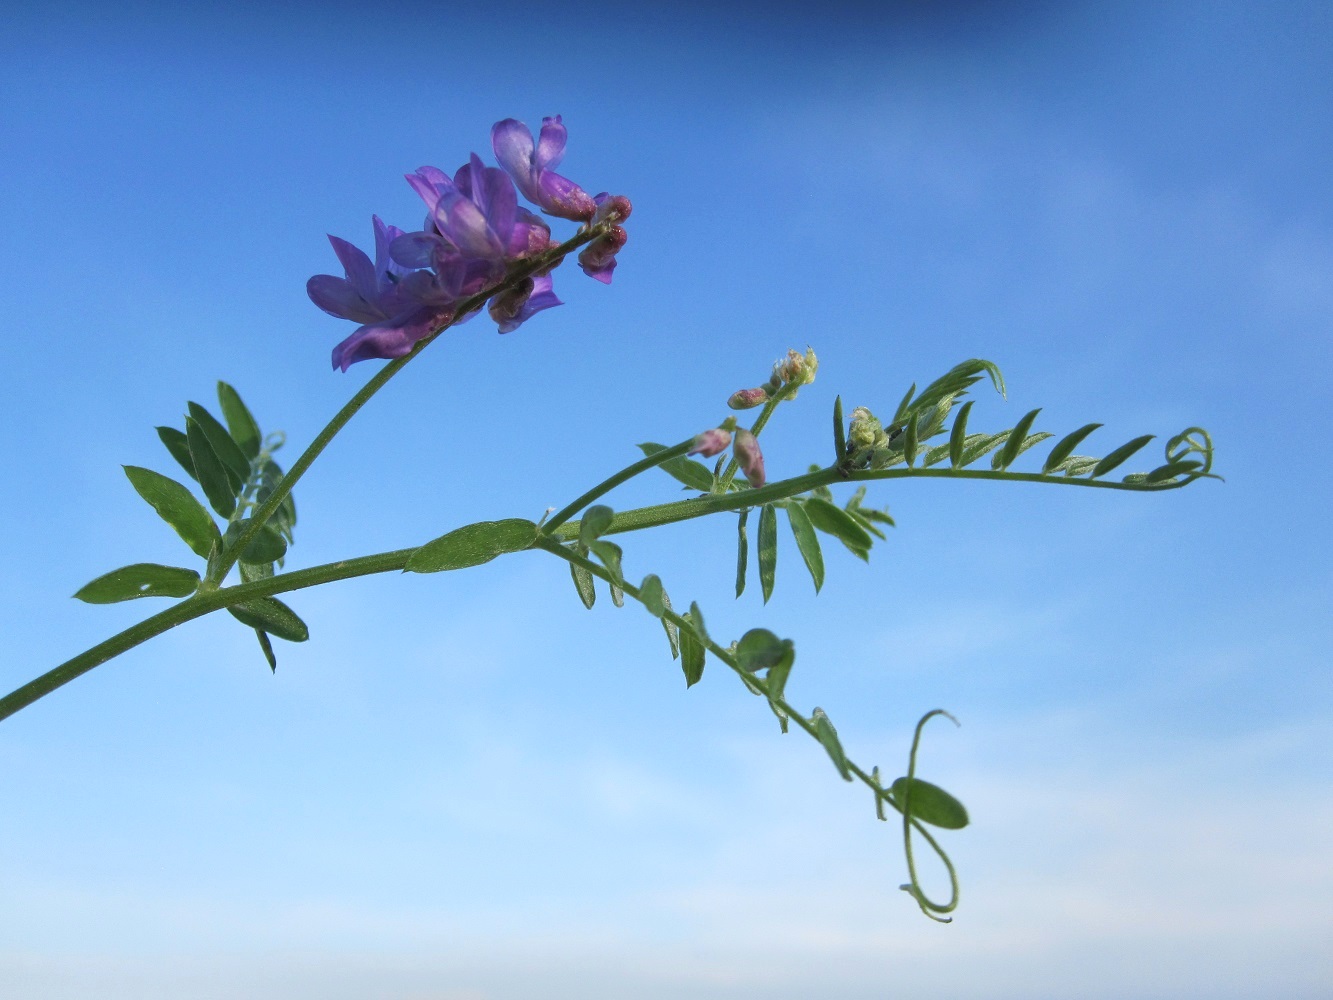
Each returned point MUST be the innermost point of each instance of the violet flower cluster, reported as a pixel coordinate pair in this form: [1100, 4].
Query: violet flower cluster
[474, 232]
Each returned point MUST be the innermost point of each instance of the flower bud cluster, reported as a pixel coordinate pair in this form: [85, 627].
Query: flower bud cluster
[791, 372]
[474, 232]
[744, 448]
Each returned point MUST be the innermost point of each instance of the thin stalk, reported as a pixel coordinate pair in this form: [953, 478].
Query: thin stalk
[607, 485]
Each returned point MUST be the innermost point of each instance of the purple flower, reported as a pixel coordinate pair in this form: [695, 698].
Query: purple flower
[513, 308]
[598, 258]
[397, 306]
[749, 457]
[710, 442]
[532, 168]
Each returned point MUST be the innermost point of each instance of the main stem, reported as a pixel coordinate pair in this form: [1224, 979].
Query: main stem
[384, 562]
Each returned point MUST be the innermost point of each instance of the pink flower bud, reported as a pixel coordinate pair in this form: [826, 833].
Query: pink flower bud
[710, 443]
[748, 399]
[611, 208]
[749, 457]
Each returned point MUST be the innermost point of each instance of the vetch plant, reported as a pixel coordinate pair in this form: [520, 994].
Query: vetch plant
[478, 247]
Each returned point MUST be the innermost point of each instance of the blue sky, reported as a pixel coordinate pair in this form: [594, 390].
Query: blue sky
[465, 785]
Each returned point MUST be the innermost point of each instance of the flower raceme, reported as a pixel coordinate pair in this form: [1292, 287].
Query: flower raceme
[474, 232]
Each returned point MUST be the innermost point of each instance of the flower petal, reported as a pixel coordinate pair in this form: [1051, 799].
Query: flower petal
[415, 249]
[392, 339]
[512, 142]
[360, 271]
[337, 297]
[551, 144]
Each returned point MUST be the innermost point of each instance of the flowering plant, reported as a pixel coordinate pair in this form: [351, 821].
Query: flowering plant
[477, 247]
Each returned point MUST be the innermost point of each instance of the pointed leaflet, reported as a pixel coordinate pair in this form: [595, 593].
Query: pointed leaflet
[244, 431]
[902, 407]
[776, 682]
[930, 804]
[910, 439]
[272, 616]
[691, 651]
[139, 580]
[693, 474]
[1065, 447]
[768, 549]
[673, 633]
[958, 435]
[177, 506]
[213, 475]
[828, 736]
[267, 647]
[266, 547]
[958, 379]
[650, 595]
[227, 450]
[807, 542]
[1171, 470]
[1013, 443]
[610, 554]
[179, 447]
[839, 432]
[472, 545]
[837, 522]
[1120, 455]
[742, 551]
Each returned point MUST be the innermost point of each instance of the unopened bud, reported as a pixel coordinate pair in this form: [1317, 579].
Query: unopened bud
[749, 457]
[865, 429]
[710, 442]
[796, 368]
[598, 258]
[611, 208]
[507, 306]
[748, 399]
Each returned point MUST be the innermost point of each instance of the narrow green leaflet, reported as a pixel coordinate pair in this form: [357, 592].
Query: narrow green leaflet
[244, 430]
[595, 521]
[978, 445]
[672, 632]
[272, 616]
[900, 413]
[956, 380]
[472, 545]
[214, 478]
[177, 506]
[1065, 447]
[691, 650]
[807, 542]
[1171, 470]
[610, 555]
[835, 521]
[693, 474]
[267, 647]
[696, 617]
[930, 804]
[227, 450]
[742, 551]
[179, 447]
[1013, 444]
[910, 439]
[583, 584]
[768, 549]
[776, 682]
[828, 736]
[651, 594]
[958, 435]
[1120, 455]
[139, 580]
[839, 431]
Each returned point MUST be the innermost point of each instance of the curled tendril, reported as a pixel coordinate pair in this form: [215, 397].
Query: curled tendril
[928, 906]
[1192, 441]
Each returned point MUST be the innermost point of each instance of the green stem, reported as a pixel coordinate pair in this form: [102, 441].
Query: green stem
[520, 272]
[632, 520]
[607, 485]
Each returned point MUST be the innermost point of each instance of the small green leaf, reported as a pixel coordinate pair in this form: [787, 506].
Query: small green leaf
[594, 523]
[1120, 455]
[776, 682]
[273, 617]
[759, 649]
[610, 555]
[958, 435]
[978, 445]
[837, 522]
[650, 595]
[244, 430]
[768, 549]
[1065, 447]
[901, 412]
[693, 474]
[139, 580]
[807, 542]
[177, 506]
[1014, 442]
[696, 618]
[214, 478]
[227, 450]
[251, 572]
[930, 804]
[828, 736]
[267, 647]
[839, 431]
[691, 651]
[742, 550]
[472, 545]
[179, 447]
[266, 547]
[584, 585]
[1171, 470]
[910, 439]
[672, 632]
